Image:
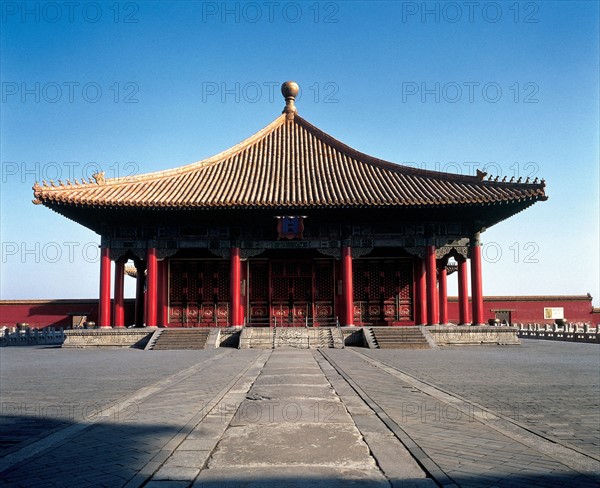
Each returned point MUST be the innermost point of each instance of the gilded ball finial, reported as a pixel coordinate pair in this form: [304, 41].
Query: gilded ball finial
[290, 90]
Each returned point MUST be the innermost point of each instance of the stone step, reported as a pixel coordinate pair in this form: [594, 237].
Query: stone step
[384, 336]
[182, 339]
[399, 338]
[397, 332]
[391, 343]
[178, 339]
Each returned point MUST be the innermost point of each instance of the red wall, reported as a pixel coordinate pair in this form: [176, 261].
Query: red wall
[52, 313]
[530, 309]
[526, 309]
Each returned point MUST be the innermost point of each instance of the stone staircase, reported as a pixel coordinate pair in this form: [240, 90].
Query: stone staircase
[397, 338]
[324, 338]
[179, 339]
[369, 337]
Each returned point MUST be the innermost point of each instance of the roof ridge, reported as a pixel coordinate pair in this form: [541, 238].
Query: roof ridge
[381, 163]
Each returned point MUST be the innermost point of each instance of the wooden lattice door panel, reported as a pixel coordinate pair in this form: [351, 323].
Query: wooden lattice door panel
[404, 295]
[199, 292]
[258, 291]
[382, 291]
[301, 291]
[178, 291]
[301, 299]
[290, 292]
[289, 282]
[280, 288]
[324, 292]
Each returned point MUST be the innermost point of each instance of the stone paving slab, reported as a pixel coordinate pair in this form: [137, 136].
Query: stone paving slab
[395, 461]
[291, 379]
[391, 454]
[287, 432]
[551, 387]
[115, 451]
[297, 411]
[289, 477]
[46, 389]
[277, 370]
[187, 409]
[449, 439]
[338, 445]
[287, 392]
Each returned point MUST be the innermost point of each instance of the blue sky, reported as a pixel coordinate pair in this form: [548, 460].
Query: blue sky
[132, 87]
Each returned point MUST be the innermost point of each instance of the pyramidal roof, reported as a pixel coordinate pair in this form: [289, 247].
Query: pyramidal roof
[290, 164]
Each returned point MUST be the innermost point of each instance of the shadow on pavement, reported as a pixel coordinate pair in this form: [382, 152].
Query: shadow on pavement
[111, 454]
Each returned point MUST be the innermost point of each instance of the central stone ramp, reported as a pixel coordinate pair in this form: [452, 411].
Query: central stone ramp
[399, 338]
[291, 337]
[292, 430]
[182, 339]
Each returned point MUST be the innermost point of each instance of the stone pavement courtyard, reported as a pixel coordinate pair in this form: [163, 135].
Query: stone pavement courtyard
[487, 416]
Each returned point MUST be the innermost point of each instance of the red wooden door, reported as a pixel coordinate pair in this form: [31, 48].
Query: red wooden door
[291, 292]
[198, 293]
[382, 291]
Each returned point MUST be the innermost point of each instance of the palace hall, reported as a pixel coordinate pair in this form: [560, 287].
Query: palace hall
[291, 227]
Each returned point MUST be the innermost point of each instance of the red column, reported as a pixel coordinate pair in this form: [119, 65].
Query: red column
[159, 295]
[104, 305]
[347, 290]
[476, 284]
[463, 293]
[119, 318]
[139, 294]
[236, 290]
[151, 288]
[442, 278]
[243, 289]
[432, 296]
[420, 292]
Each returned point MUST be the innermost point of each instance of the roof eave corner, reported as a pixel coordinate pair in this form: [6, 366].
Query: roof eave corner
[37, 190]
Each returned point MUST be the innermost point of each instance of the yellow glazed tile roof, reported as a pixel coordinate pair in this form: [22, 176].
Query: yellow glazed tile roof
[290, 164]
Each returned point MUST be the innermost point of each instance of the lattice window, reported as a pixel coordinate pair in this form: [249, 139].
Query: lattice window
[192, 282]
[302, 289]
[223, 281]
[209, 282]
[359, 280]
[199, 281]
[176, 282]
[280, 288]
[388, 273]
[406, 280]
[277, 268]
[382, 290]
[259, 281]
[324, 285]
[304, 268]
